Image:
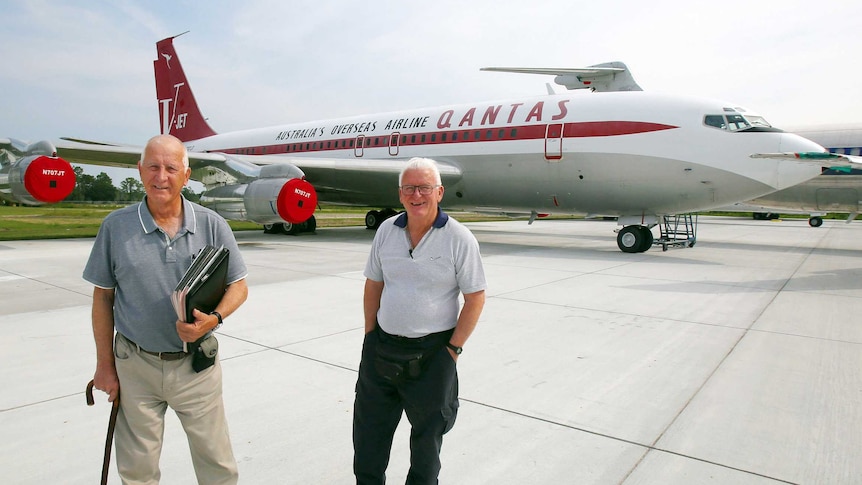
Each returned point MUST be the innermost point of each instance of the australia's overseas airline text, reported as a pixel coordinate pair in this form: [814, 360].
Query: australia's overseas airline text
[471, 117]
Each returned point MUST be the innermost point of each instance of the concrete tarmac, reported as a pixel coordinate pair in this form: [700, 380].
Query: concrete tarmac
[738, 361]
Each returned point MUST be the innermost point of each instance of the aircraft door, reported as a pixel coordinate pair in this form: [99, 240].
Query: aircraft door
[393, 143]
[554, 142]
[359, 146]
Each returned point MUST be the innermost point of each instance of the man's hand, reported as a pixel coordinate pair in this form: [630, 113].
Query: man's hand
[190, 332]
[106, 380]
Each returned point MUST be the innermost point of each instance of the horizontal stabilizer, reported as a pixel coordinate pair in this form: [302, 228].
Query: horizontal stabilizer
[605, 77]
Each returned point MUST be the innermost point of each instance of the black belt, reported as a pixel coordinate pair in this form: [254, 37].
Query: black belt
[160, 355]
[415, 340]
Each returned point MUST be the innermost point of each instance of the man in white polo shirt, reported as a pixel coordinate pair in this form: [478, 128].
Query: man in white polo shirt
[421, 261]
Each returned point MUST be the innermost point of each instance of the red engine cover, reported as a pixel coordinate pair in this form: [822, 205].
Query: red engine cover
[297, 200]
[49, 179]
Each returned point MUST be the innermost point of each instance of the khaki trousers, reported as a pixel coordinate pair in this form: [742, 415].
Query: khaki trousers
[148, 385]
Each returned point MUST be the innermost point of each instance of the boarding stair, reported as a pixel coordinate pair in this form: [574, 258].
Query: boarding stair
[677, 231]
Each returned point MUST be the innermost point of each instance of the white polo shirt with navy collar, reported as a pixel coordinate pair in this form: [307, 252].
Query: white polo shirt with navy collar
[422, 285]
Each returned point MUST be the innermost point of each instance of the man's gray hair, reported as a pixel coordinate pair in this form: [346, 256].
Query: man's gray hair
[418, 163]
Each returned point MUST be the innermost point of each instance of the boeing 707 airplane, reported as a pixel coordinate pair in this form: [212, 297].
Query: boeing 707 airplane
[619, 151]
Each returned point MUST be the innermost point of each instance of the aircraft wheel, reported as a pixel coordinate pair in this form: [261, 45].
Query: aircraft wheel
[311, 224]
[271, 228]
[373, 219]
[630, 239]
[290, 229]
[647, 239]
[815, 221]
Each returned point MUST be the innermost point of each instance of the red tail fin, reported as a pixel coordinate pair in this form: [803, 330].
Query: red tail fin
[178, 110]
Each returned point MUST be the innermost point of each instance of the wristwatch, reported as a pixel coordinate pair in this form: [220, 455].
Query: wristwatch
[220, 320]
[454, 348]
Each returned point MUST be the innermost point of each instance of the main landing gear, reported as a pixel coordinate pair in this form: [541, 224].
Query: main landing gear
[374, 217]
[292, 229]
[674, 231]
[634, 239]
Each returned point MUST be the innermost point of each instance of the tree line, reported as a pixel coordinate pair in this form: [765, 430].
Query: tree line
[101, 189]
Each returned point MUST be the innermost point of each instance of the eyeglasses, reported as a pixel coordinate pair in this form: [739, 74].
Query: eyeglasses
[423, 189]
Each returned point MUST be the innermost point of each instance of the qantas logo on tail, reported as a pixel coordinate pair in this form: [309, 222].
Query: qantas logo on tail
[167, 59]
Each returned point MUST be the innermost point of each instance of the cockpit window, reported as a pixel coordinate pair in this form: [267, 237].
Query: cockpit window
[735, 121]
[758, 121]
[715, 120]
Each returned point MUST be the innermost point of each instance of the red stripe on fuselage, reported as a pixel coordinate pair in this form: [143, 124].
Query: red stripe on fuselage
[611, 128]
[444, 137]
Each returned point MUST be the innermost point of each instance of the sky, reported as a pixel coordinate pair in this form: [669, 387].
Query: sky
[84, 69]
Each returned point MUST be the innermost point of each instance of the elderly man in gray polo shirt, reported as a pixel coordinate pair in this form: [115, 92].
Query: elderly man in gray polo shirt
[139, 256]
[415, 329]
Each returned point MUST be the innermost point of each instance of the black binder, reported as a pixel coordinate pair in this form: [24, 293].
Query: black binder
[203, 284]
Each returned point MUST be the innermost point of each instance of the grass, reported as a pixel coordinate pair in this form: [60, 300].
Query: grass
[51, 222]
[82, 220]
[68, 220]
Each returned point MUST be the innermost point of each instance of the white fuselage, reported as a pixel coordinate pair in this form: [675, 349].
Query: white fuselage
[622, 153]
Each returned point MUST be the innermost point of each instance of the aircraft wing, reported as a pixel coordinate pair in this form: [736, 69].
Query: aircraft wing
[823, 159]
[354, 181]
[350, 181]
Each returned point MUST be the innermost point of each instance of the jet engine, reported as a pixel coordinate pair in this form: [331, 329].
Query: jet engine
[273, 200]
[37, 180]
[278, 193]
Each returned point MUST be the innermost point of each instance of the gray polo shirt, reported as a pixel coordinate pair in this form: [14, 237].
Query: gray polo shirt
[421, 286]
[132, 256]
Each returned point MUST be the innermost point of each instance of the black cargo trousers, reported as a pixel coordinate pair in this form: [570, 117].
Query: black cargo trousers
[430, 401]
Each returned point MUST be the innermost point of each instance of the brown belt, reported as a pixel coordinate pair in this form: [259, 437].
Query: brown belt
[165, 355]
[160, 355]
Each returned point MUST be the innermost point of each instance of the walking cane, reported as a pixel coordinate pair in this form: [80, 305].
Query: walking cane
[112, 421]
